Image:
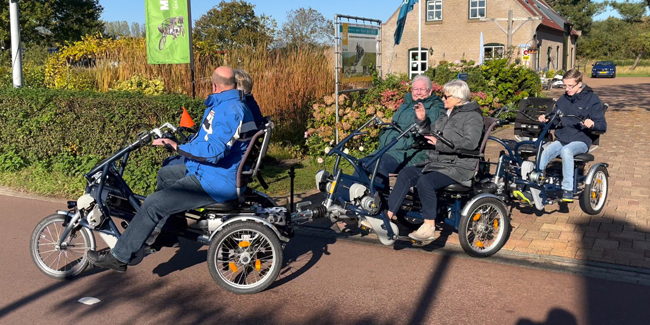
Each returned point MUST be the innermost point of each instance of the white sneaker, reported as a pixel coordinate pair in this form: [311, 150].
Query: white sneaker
[424, 233]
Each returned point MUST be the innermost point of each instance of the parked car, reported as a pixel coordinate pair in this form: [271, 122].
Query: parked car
[603, 69]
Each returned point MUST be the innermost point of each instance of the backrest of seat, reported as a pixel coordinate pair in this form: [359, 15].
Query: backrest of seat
[252, 159]
[489, 123]
[533, 107]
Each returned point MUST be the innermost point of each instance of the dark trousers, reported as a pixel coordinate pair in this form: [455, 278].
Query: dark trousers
[176, 193]
[387, 165]
[427, 184]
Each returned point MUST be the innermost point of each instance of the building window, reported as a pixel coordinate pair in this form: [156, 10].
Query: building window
[493, 51]
[418, 64]
[557, 58]
[434, 10]
[476, 9]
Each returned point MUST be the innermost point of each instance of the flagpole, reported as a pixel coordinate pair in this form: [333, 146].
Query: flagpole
[189, 32]
[420, 35]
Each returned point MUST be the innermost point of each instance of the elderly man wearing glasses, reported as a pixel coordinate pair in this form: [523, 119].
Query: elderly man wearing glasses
[571, 134]
[462, 125]
[402, 154]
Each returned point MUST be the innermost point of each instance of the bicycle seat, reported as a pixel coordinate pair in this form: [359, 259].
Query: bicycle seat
[457, 188]
[222, 206]
[584, 157]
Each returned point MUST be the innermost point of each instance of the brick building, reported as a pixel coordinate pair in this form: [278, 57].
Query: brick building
[451, 31]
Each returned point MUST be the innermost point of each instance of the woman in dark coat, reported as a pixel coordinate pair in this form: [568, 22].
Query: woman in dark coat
[462, 125]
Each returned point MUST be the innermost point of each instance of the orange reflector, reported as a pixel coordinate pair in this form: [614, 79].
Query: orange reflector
[244, 244]
[599, 181]
[496, 223]
[258, 265]
[232, 267]
[477, 216]
[593, 195]
[479, 244]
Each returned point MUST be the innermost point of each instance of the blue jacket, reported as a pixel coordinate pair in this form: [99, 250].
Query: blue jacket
[586, 104]
[215, 152]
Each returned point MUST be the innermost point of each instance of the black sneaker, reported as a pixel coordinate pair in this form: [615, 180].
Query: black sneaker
[567, 196]
[106, 260]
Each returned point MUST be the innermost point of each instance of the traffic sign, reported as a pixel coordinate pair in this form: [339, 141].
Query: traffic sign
[526, 57]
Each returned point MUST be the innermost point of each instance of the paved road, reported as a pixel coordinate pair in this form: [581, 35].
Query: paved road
[326, 281]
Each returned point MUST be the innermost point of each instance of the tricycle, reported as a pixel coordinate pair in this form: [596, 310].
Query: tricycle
[245, 236]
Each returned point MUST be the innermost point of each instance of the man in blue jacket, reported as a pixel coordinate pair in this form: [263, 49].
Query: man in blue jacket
[572, 135]
[207, 176]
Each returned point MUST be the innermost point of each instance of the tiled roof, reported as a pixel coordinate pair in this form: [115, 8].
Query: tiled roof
[550, 18]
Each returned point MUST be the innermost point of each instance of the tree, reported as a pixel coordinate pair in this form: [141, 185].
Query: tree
[306, 27]
[631, 12]
[50, 22]
[231, 24]
[578, 12]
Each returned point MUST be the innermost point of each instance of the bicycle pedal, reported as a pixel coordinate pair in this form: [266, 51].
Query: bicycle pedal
[522, 197]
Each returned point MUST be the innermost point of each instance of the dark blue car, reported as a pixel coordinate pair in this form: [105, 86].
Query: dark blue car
[603, 69]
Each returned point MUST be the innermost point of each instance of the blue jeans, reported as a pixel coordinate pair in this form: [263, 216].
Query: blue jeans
[567, 152]
[176, 193]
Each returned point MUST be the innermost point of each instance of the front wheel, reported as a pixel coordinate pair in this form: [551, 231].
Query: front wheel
[592, 200]
[245, 257]
[485, 229]
[63, 262]
[163, 40]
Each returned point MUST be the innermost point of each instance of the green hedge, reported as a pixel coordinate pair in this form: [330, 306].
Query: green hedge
[64, 133]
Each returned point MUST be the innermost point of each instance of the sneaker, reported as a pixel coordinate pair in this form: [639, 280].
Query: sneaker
[424, 233]
[105, 260]
[365, 224]
[567, 196]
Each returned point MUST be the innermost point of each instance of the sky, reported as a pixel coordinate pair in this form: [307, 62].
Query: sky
[133, 10]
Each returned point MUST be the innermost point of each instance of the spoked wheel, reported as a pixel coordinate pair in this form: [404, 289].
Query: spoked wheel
[245, 257]
[63, 262]
[485, 229]
[592, 200]
[163, 40]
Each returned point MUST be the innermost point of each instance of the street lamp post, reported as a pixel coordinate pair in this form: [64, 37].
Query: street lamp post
[16, 57]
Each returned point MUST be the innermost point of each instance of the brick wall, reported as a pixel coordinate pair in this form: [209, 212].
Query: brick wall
[458, 37]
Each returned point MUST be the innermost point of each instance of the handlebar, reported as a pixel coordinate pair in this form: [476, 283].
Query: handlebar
[438, 135]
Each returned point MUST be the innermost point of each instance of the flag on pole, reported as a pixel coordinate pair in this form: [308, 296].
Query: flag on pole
[168, 40]
[407, 6]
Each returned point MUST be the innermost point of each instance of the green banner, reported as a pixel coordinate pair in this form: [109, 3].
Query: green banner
[167, 32]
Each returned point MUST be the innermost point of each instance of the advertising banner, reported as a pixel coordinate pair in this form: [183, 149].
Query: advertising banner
[167, 32]
[359, 52]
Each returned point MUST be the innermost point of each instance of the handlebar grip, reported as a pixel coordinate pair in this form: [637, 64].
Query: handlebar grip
[169, 148]
[445, 141]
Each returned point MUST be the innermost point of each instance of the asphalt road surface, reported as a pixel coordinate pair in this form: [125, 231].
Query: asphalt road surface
[324, 282]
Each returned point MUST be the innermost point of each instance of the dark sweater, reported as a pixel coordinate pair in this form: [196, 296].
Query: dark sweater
[586, 104]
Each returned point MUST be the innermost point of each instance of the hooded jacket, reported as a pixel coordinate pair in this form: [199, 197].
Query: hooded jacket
[405, 116]
[463, 128]
[215, 152]
[586, 104]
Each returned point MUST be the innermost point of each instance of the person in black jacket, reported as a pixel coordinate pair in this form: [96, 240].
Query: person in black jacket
[245, 85]
[462, 125]
[571, 134]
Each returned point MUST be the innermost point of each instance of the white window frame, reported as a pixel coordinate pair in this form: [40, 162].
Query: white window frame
[434, 4]
[421, 65]
[477, 7]
[494, 51]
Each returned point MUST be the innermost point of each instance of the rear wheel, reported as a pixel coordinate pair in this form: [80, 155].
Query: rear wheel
[245, 257]
[485, 229]
[592, 200]
[63, 262]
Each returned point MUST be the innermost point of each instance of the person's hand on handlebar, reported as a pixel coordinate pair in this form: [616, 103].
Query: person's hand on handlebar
[165, 142]
[431, 139]
[588, 123]
[420, 114]
[542, 118]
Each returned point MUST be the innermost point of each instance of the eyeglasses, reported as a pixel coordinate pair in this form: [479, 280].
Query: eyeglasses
[445, 96]
[420, 89]
[569, 86]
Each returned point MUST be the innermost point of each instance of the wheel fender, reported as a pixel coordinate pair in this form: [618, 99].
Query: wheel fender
[93, 244]
[465, 210]
[250, 218]
[592, 171]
